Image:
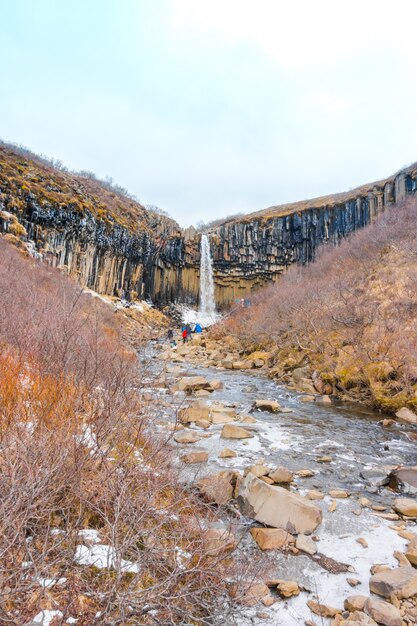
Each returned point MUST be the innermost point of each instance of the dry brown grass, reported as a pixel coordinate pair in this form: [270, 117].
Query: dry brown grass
[79, 451]
[350, 316]
[22, 175]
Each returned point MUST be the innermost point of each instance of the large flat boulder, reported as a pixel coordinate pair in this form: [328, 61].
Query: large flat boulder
[277, 507]
[411, 551]
[186, 436]
[400, 582]
[193, 383]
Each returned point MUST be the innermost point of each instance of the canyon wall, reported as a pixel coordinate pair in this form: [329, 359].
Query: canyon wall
[151, 258]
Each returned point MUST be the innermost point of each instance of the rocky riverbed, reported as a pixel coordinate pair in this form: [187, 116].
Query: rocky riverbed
[309, 485]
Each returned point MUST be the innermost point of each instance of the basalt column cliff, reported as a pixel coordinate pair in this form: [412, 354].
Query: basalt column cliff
[112, 244]
[253, 250]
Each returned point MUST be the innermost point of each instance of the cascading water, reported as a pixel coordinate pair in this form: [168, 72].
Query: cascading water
[207, 302]
[206, 315]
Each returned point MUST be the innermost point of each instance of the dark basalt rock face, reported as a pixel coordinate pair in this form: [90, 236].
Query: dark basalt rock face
[162, 264]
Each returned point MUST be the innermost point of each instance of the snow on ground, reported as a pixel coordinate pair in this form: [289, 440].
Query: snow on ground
[102, 556]
[44, 618]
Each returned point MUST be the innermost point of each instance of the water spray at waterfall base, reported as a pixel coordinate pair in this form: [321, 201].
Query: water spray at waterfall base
[207, 314]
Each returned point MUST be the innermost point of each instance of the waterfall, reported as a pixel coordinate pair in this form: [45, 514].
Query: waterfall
[207, 301]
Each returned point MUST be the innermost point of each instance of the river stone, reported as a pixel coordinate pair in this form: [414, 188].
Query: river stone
[411, 551]
[226, 453]
[193, 383]
[306, 544]
[375, 477]
[406, 416]
[218, 488]
[198, 410]
[219, 540]
[202, 423]
[288, 588]
[230, 431]
[382, 612]
[355, 603]
[404, 479]
[281, 475]
[338, 493]
[249, 595]
[321, 609]
[400, 582]
[257, 470]
[249, 420]
[216, 384]
[271, 538]
[277, 507]
[221, 418]
[267, 405]
[406, 506]
[358, 618]
[186, 436]
[195, 457]
[314, 494]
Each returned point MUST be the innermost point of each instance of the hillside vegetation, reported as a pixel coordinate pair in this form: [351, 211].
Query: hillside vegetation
[94, 521]
[26, 176]
[350, 318]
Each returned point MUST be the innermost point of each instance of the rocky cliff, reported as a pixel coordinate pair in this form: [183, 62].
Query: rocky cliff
[113, 245]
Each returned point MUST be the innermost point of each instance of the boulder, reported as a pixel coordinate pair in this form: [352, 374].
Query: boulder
[271, 538]
[221, 418]
[406, 506]
[230, 431]
[216, 384]
[375, 477]
[281, 475]
[321, 609]
[219, 540]
[242, 365]
[305, 473]
[306, 544]
[199, 410]
[277, 507]
[404, 479]
[382, 612]
[272, 406]
[338, 493]
[287, 588]
[355, 603]
[193, 383]
[195, 457]
[186, 436]
[411, 551]
[257, 470]
[218, 488]
[359, 618]
[324, 459]
[314, 494]
[250, 595]
[248, 420]
[226, 453]
[203, 423]
[400, 582]
[406, 416]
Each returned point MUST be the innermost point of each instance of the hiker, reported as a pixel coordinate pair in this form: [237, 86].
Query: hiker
[184, 335]
[198, 328]
[170, 334]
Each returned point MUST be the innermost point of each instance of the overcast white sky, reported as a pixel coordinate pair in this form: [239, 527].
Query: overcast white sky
[207, 108]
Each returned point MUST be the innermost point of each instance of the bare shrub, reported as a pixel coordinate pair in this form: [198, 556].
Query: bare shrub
[351, 314]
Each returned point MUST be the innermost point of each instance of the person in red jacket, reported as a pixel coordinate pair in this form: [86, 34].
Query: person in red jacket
[184, 335]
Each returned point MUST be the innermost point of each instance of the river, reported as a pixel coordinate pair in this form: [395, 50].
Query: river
[356, 442]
